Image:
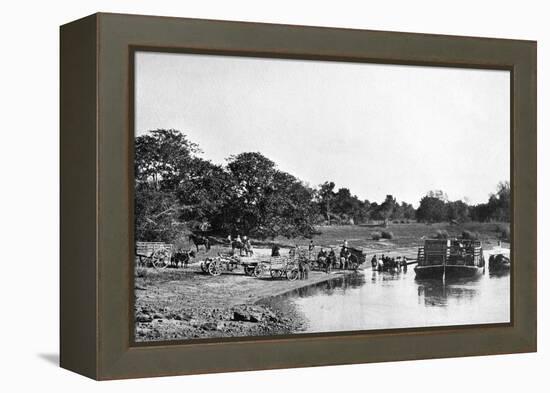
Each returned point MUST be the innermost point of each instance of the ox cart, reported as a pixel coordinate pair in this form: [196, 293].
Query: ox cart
[222, 263]
[278, 267]
[156, 254]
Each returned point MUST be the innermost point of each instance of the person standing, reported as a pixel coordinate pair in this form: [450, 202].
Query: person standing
[310, 248]
[306, 269]
[301, 269]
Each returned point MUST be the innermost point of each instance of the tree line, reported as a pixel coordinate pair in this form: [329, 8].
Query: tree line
[176, 190]
[436, 207]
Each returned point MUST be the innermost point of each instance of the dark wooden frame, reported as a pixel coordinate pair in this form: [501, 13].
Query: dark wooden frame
[97, 178]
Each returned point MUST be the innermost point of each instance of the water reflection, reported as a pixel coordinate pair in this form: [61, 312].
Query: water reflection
[499, 273]
[384, 300]
[438, 292]
[327, 288]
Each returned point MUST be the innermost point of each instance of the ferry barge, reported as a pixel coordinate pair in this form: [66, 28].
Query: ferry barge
[447, 258]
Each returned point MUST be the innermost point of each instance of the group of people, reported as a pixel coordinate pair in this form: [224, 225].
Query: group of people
[389, 263]
[327, 258]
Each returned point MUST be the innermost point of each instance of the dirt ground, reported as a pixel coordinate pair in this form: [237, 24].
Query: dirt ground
[173, 304]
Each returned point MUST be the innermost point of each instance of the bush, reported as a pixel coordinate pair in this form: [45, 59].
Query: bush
[470, 235]
[441, 234]
[387, 235]
[504, 232]
[376, 235]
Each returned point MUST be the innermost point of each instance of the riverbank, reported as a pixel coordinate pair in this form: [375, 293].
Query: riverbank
[178, 304]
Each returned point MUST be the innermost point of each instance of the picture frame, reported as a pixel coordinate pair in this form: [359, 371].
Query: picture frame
[96, 195]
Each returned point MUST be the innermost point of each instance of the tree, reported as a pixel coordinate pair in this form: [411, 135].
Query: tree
[155, 215]
[267, 202]
[500, 203]
[386, 208]
[409, 212]
[326, 193]
[160, 156]
[431, 209]
[204, 193]
[497, 208]
[287, 210]
[458, 211]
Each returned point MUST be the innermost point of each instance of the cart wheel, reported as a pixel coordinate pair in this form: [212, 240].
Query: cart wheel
[246, 271]
[214, 269]
[292, 275]
[258, 270]
[160, 259]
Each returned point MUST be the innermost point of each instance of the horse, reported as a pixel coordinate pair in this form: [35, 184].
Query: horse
[183, 257]
[242, 246]
[199, 240]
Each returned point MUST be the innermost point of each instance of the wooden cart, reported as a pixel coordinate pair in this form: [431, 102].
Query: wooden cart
[155, 254]
[223, 262]
[279, 267]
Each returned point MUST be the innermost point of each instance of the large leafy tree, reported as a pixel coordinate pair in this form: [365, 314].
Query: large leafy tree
[266, 202]
[431, 209]
[204, 191]
[160, 157]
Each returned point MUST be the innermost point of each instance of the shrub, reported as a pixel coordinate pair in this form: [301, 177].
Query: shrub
[387, 235]
[504, 231]
[376, 235]
[441, 234]
[470, 235]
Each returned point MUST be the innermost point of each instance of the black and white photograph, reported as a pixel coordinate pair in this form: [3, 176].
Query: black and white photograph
[286, 196]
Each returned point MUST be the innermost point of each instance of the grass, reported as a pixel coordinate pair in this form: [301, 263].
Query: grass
[404, 235]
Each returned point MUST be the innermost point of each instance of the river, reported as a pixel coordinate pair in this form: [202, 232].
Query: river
[370, 300]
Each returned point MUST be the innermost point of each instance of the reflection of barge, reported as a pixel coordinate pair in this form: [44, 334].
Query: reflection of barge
[450, 258]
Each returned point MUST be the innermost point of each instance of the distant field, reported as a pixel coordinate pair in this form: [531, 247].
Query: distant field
[404, 235]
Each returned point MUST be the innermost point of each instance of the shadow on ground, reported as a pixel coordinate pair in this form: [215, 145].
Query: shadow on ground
[52, 358]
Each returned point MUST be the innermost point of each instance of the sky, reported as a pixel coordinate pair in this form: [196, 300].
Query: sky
[375, 129]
